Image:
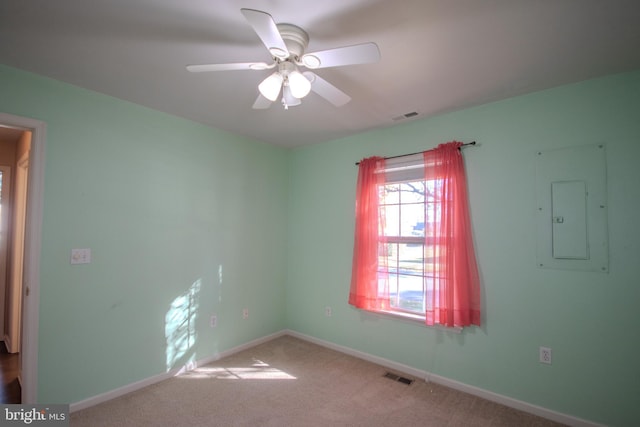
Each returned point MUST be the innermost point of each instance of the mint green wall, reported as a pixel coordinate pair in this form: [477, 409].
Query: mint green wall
[183, 221]
[590, 320]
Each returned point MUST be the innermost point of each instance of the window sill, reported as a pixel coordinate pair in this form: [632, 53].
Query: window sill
[414, 319]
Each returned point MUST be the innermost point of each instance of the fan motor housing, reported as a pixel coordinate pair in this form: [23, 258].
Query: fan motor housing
[295, 38]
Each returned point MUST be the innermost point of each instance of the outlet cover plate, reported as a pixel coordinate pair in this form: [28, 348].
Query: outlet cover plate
[545, 355]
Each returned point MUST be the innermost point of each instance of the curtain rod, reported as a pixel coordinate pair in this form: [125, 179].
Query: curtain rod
[412, 154]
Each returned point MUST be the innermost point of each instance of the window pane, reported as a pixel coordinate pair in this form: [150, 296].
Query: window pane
[410, 278]
[431, 214]
[391, 194]
[433, 259]
[385, 253]
[412, 220]
[410, 293]
[393, 285]
[433, 190]
[412, 192]
[410, 256]
[391, 220]
[429, 293]
[429, 260]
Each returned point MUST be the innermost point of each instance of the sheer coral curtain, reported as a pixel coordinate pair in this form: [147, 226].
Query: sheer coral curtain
[369, 278]
[454, 299]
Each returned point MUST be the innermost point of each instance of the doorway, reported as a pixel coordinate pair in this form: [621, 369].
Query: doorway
[14, 165]
[30, 171]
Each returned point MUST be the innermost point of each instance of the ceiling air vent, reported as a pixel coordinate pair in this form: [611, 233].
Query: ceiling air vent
[405, 116]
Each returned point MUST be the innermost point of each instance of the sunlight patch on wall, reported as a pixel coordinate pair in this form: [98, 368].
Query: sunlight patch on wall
[220, 283]
[180, 327]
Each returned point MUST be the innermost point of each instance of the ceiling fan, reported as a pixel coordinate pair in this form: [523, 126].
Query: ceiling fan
[287, 44]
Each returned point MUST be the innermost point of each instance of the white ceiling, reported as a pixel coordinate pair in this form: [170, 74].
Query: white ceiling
[436, 55]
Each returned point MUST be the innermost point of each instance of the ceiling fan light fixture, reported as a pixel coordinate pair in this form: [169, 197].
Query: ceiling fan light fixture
[270, 87]
[299, 85]
[288, 100]
[311, 61]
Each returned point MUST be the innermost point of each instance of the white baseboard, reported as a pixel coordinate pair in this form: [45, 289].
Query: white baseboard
[405, 369]
[429, 377]
[121, 391]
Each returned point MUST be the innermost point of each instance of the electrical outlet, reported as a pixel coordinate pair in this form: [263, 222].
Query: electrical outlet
[213, 321]
[245, 313]
[545, 355]
[327, 311]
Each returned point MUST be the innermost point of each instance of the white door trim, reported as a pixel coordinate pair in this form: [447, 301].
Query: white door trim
[32, 245]
[4, 242]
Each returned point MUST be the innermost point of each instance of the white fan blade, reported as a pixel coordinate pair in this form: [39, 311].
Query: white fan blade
[350, 55]
[227, 67]
[327, 90]
[261, 103]
[266, 28]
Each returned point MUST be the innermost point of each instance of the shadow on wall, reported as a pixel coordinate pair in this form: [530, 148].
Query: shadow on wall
[180, 328]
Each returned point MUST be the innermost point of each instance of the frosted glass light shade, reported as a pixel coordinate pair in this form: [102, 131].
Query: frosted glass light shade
[270, 87]
[299, 84]
[288, 99]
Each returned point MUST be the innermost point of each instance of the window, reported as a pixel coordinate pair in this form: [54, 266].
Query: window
[413, 253]
[404, 257]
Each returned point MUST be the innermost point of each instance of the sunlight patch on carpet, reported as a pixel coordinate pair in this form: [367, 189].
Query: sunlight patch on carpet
[259, 370]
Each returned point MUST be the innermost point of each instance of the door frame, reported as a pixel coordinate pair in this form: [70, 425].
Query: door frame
[32, 246]
[5, 224]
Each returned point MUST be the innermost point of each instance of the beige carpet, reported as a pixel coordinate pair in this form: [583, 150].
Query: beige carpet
[291, 382]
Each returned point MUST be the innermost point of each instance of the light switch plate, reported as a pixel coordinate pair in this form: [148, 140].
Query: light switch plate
[80, 256]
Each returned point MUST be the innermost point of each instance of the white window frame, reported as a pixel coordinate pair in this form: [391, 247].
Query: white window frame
[401, 170]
